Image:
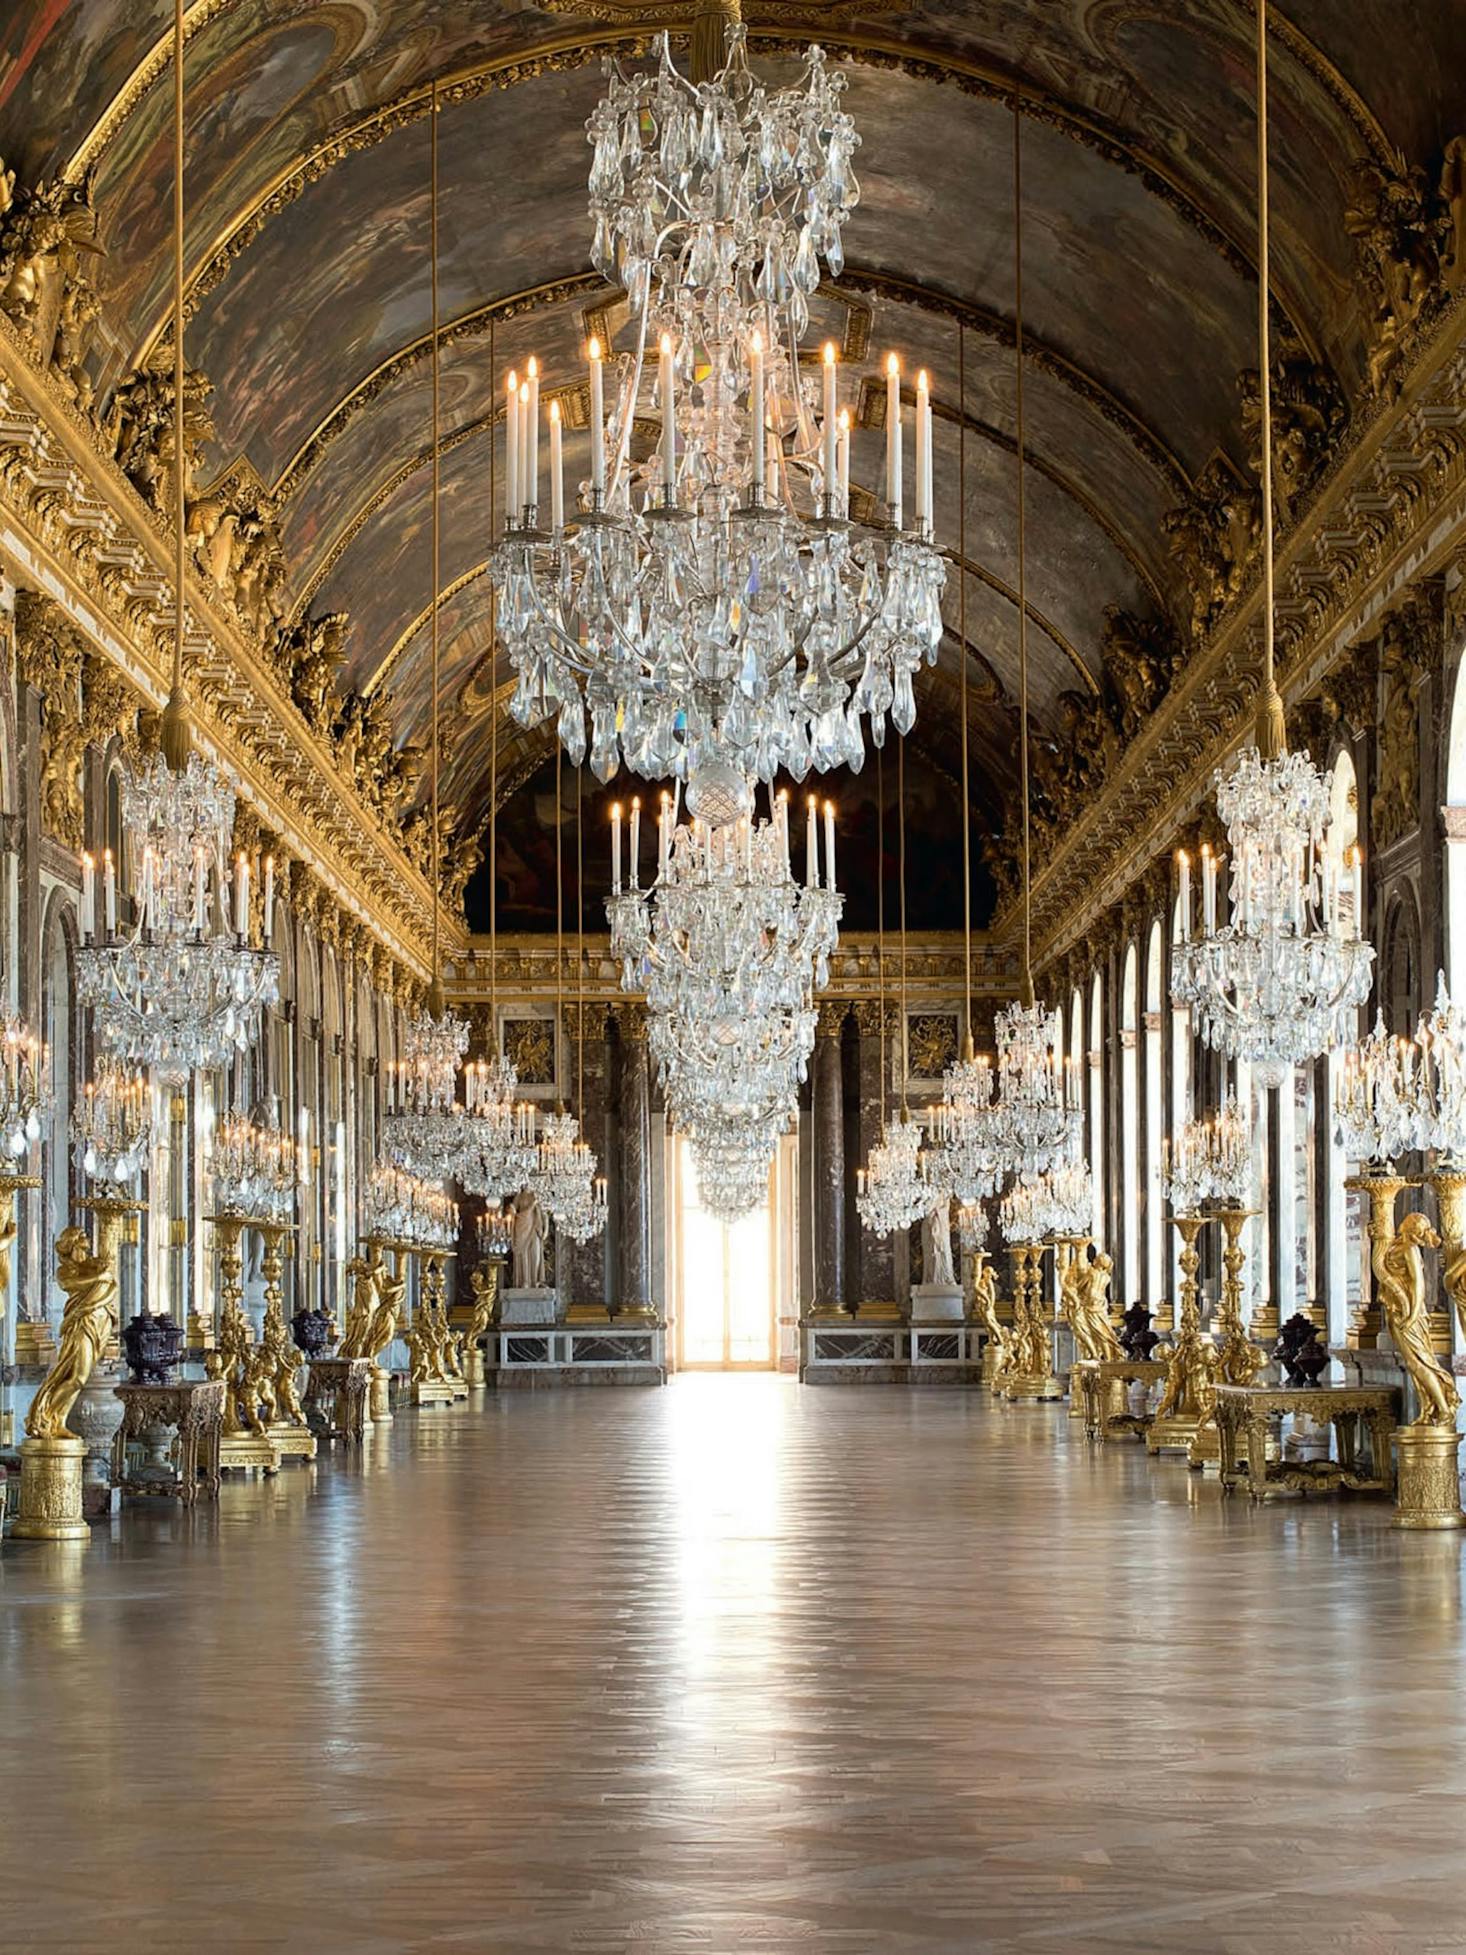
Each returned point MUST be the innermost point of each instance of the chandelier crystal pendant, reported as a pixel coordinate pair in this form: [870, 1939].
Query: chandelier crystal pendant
[1282, 979]
[716, 605]
[182, 990]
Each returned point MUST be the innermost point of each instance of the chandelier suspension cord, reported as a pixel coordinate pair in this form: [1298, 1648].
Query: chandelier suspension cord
[559, 919]
[1022, 545]
[1271, 733]
[437, 993]
[580, 940]
[901, 832]
[493, 751]
[176, 740]
[962, 654]
[881, 909]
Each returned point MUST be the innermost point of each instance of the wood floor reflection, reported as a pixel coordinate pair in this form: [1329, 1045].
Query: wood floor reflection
[737, 1668]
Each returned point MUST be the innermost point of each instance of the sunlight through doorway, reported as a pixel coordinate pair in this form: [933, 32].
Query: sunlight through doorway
[727, 1279]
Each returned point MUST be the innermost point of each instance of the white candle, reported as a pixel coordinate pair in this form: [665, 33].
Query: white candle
[664, 837]
[109, 890]
[756, 411]
[616, 848]
[811, 850]
[511, 457]
[557, 472]
[145, 894]
[88, 897]
[843, 466]
[748, 847]
[829, 845]
[532, 436]
[526, 487]
[930, 507]
[597, 419]
[669, 423]
[831, 428]
[784, 827]
[771, 471]
[635, 842]
[893, 439]
[241, 897]
[1183, 864]
[269, 898]
[200, 877]
[923, 441]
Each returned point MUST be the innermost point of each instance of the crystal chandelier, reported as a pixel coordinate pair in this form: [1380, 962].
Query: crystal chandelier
[1280, 981]
[965, 1146]
[1186, 1169]
[717, 605]
[25, 1086]
[112, 1124]
[729, 950]
[1070, 1190]
[1229, 1150]
[411, 1210]
[182, 990]
[1441, 1039]
[426, 1131]
[497, 1156]
[1023, 1213]
[974, 1226]
[1034, 1117]
[893, 1189]
[253, 1171]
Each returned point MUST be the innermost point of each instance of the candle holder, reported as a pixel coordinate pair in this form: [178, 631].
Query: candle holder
[1190, 1376]
[1382, 1191]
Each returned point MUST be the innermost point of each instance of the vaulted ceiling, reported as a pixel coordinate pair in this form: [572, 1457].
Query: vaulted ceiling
[307, 174]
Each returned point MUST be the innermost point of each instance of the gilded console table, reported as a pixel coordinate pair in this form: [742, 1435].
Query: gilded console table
[195, 1410]
[1102, 1383]
[1245, 1414]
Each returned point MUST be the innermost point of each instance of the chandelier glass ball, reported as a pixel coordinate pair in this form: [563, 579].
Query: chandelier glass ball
[1281, 980]
[714, 601]
[180, 991]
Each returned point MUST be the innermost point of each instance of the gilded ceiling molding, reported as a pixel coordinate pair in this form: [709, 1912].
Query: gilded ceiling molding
[862, 50]
[1391, 513]
[993, 325]
[469, 325]
[157, 62]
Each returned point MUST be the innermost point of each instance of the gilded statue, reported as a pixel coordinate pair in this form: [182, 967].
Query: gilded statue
[9, 1230]
[1191, 1381]
[1397, 249]
[364, 1302]
[1401, 1274]
[420, 1353]
[386, 1318]
[88, 1320]
[1214, 536]
[284, 1361]
[1308, 414]
[484, 1283]
[985, 1309]
[141, 427]
[231, 1359]
[43, 232]
[1088, 1307]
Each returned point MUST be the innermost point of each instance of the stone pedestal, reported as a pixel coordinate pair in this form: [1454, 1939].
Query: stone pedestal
[936, 1303]
[432, 1391]
[51, 1491]
[199, 1332]
[293, 1441]
[1427, 1480]
[473, 1368]
[241, 1452]
[379, 1409]
[95, 1418]
[529, 1307]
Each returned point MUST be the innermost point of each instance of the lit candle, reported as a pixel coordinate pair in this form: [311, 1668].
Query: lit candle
[1208, 891]
[923, 442]
[511, 461]
[241, 896]
[831, 429]
[200, 879]
[811, 849]
[88, 897]
[635, 841]
[109, 890]
[597, 420]
[893, 439]
[784, 825]
[829, 845]
[843, 466]
[669, 424]
[756, 411]
[526, 487]
[269, 898]
[616, 848]
[557, 472]
[532, 436]
[1183, 864]
[664, 837]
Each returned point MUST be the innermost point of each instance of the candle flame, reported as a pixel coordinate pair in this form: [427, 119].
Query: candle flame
[666, 342]
[893, 365]
[554, 413]
[829, 352]
[593, 348]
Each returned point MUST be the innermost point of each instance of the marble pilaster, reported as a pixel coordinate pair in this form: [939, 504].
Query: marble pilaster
[828, 1140]
[634, 1158]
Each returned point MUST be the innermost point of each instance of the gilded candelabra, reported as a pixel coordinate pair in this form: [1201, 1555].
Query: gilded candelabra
[1429, 1492]
[278, 1351]
[1235, 1360]
[1030, 1372]
[1190, 1379]
[248, 1374]
[1382, 1191]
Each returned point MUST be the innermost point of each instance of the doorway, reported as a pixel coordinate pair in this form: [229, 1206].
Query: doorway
[726, 1279]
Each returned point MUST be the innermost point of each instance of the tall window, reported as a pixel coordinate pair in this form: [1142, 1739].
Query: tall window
[1096, 1070]
[1130, 1120]
[1343, 1230]
[1155, 979]
[1183, 1100]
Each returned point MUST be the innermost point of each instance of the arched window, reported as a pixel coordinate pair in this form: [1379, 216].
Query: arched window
[1155, 981]
[1096, 1068]
[1183, 1093]
[1130, 1122]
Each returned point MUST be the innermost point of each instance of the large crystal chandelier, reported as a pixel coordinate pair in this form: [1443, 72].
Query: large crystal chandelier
[717, 603]
[426, 1131]
[181, 990]
[25, 1086]
[112, 1125]
[892, 1191]
[729, 950]
[1024, 1212]
[1441, 1097]
[497, 1156]
[1281, 980]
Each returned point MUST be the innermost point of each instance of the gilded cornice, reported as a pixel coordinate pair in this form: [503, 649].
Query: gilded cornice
[78, 529]
[859, 48]
[1389, 513]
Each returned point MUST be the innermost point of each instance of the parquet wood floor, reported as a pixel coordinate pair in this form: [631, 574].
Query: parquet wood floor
[742, 1670]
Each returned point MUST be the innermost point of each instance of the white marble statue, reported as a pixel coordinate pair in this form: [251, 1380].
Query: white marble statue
[936, 1246]
[527, 1241]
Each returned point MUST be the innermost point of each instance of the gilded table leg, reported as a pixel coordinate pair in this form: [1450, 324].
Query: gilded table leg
[1346, 1437]
[212, 1449]
[188, 1464]
[1227, 1444]
[1257, 1455]
[1381, 1452]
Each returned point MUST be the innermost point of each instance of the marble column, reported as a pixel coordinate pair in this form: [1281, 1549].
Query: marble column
[635, 1157]
[828, 1141]
[875, 1278]
[584, 1267]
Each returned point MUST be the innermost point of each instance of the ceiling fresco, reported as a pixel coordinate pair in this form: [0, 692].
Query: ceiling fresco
[307, 173]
